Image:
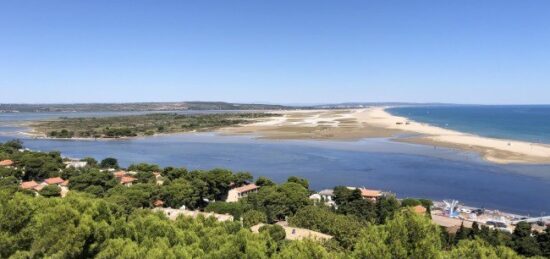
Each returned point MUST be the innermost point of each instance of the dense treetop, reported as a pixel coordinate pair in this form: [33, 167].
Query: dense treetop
[100, 218]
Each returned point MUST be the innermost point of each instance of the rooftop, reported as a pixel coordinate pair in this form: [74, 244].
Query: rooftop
[370, 193]
[127, 179]
[246, 188]
[6, 162]
[54, 180]
[28, 185]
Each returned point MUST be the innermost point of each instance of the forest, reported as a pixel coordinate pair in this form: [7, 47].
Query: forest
[101, 218]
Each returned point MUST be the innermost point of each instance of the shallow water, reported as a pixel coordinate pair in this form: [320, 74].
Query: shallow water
[405, 169]
[517, 122]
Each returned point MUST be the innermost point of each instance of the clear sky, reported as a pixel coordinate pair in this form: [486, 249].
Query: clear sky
[297, 51]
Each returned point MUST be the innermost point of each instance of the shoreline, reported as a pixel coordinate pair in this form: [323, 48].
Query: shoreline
[376, 122]
[373, 122]
[501, 151]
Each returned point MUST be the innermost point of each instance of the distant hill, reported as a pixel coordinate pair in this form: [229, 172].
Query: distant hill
[351, 105]
[145, 106]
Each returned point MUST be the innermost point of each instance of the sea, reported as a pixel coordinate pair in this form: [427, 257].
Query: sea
[529, 123]
[408, 170]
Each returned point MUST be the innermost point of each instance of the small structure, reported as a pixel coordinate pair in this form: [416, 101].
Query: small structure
[236, 194]
[293, 233]
[327, 194]
[75, 164]
[158, 178]
[370, 194]
[450, 224]
[419, 209]
[158, 203]
[173, 214]
[315, 197]
[119, 174]
[54, 180]
[29, 185]
[6, 163]
[127, 180]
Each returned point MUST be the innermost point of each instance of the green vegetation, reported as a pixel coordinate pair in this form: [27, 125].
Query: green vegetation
[100, 218]
[141, 125]
[132, 107]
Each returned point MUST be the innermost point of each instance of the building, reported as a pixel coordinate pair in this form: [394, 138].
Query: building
[173, 214]
[6, 163]
[75, 164]
[158, 178]
[30, 185]
[127, 180]
[119, 174]
[327, 194]
[54, 180]
[373, 195]
[236, 194]
[419, 209]
[158, 203]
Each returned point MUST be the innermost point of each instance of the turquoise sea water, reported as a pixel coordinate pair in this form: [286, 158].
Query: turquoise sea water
[516, 122]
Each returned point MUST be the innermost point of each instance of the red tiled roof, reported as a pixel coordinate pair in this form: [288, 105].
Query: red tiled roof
[120, 174]
[158, 203]
[54, 180]
[419, 209]
[40, 187]
[127, 179]
[6, 163]
[370, 193]
[28, 185]
[246, 188]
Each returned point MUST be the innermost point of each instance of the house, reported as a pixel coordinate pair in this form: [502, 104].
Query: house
[236, 194]
[327, 194]
[370, 194]
[158, 203]
[6, 163]
[54, 180]
[158, 178]
[293, 233]
[30, 185]
[119, 174]
[419, 209]
[174, 213]
[127, 180]
[75, 164]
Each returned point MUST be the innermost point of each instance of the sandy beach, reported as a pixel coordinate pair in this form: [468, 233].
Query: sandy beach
[375, 122]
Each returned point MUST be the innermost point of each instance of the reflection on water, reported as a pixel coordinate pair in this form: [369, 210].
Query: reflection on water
[405, 169]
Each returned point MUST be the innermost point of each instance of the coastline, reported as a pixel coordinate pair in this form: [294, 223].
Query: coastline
[372, 122]
[503, 151]
[376, 122]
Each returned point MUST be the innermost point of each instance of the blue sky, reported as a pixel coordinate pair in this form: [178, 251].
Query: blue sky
[296, 51]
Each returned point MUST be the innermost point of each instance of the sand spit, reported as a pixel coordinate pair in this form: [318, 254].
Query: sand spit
[375, 122]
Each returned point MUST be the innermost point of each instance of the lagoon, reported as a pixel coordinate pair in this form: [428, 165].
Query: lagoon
[405, 169]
